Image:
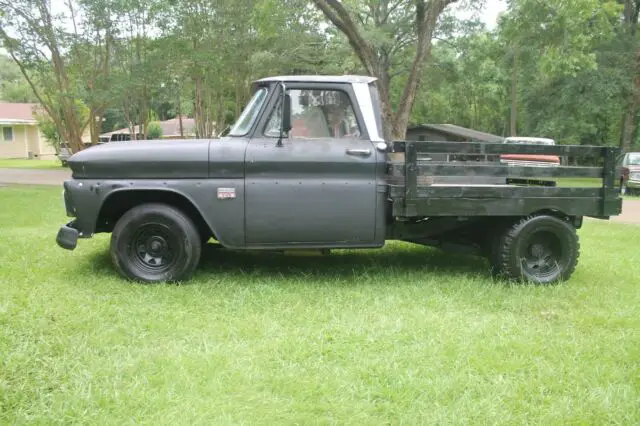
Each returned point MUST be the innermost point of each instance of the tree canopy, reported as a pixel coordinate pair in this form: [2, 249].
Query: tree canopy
[549, 68]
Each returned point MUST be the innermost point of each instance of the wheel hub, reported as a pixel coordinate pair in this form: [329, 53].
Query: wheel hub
[538, 250]
[156, 245]
[543, 255]
[152, 247]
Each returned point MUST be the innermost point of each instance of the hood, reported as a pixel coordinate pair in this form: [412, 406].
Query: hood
[148, 159]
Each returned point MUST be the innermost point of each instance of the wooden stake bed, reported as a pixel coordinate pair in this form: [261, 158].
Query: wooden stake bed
[415, 191]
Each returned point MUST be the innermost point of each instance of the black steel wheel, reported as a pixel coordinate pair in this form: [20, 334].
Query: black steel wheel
[542, 249]
[155, 243]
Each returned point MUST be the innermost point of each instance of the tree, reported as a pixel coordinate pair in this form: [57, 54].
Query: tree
[39, 51]
[629, 130]
[381, 30]
[91, 58]
[468, 84]
[550, 40]
[13, 87]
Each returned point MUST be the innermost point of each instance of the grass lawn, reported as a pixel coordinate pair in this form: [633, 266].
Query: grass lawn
[401, 335]
[587, 183]
[31, 164]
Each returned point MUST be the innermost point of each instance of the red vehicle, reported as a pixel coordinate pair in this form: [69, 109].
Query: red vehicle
[529, 159]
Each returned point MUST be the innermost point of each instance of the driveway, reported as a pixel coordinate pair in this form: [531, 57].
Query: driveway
[630, 208]
[34, 176]
[630, 212]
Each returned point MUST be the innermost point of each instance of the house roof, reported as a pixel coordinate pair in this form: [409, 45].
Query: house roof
[14, 112]
[464, 132]
[169, 128]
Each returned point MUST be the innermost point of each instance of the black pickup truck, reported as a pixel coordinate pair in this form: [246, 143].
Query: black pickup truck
[306, 167]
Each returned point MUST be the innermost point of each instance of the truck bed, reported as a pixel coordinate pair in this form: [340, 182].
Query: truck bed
[416, 187]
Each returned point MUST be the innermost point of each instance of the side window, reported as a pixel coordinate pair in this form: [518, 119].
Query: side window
[317, 114]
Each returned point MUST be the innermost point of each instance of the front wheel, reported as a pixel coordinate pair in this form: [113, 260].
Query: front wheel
[155, 243]
[541, 249]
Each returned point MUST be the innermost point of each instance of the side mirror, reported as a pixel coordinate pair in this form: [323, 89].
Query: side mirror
[286, 113]
[285, 123]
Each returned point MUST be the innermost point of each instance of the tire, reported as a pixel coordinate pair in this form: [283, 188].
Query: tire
[492, 246]
[155, 243]
[541, 249]
[493, 256]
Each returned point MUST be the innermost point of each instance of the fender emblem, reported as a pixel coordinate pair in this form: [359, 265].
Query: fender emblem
[226, 193]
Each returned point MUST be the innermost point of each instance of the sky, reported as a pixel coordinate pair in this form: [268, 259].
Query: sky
[489, 13]
[492, 10]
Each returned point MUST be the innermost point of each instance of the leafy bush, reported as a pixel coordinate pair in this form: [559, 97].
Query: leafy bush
[154, 131]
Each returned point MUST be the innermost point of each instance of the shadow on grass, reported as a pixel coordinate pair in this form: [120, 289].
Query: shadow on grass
[340, 264]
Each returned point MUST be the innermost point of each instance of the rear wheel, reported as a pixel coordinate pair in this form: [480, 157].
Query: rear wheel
[155, 243]
[541, 249]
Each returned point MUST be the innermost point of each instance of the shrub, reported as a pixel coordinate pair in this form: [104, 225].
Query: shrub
[154, 131]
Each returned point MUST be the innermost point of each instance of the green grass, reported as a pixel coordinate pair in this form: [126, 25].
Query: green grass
[31, 164]
[588, 183]
[401, 335]
[579, 182]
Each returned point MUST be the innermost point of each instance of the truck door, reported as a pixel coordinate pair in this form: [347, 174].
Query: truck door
[319, 186]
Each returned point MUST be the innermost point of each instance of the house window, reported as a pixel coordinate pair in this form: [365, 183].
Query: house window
[7, 134]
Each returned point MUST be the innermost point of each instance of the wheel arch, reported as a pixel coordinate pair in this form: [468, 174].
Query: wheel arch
[575, 221]
[119, 201]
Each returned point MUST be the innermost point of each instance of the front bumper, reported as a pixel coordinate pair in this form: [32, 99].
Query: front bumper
[67, 237]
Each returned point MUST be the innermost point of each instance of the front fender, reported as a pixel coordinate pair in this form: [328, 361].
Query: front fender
[220, 202]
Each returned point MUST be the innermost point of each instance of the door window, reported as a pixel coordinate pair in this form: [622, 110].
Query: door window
[317, 114]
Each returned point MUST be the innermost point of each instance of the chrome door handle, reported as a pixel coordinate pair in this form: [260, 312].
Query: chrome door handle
[361, 152]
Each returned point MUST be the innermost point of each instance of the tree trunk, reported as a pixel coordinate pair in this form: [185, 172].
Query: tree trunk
[629, 129]
[629, 125]
[426, 21]
[514, 95]
[220, 113]
[179, 110]
[373, 60]
[197, 110]
[630, 119]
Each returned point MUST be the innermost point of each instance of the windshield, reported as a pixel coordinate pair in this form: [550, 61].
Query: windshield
[634, 159]
[249, 114]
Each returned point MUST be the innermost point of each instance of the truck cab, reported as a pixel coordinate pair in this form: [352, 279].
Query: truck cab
[306, 166]
[320, 180]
